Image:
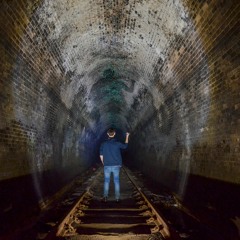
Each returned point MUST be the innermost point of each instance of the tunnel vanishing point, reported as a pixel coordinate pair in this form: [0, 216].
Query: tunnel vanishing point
[167, 71]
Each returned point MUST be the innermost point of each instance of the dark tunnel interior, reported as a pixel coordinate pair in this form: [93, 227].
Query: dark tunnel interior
[167, 71]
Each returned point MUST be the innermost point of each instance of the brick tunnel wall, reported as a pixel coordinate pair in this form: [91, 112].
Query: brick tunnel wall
[191, 143]
[196, 129]
[38, 131]
[44, 144]
[176, 90]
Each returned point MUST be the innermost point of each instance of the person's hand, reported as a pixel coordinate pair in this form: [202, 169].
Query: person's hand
[127, 134]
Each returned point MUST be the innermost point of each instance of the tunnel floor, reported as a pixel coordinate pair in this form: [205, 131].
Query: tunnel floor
[95, 225]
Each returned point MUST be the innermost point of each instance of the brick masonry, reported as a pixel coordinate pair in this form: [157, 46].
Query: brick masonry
[37, 131]
[196, 130]
[167, 71]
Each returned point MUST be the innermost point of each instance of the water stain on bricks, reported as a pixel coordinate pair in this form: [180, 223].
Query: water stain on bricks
[167, 71]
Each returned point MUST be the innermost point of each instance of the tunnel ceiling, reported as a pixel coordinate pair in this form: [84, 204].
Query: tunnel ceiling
[110, 52]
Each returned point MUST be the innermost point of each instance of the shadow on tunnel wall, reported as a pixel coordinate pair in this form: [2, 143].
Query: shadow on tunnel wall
[20, 202]
[214, 203]
[183, 112]
[44, 144]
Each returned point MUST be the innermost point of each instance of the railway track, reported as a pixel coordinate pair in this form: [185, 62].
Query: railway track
[78, 212]
[134, 217]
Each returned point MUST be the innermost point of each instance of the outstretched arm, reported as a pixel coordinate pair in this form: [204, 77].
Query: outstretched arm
[127, 136]
[101, 157]
[101, 153]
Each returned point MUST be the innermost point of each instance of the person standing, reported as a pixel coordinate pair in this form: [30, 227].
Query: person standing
[110, 155]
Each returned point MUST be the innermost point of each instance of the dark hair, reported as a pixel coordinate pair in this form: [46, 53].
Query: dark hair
[111, 132]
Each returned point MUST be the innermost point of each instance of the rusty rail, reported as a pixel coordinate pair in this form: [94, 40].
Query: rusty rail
[161, 225]
[66, 228]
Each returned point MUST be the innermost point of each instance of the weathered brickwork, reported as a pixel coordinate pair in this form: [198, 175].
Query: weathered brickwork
[201, 108]
[167, 71]
[38, 132]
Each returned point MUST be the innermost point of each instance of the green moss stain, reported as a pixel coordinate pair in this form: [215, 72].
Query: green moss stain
[109, 90]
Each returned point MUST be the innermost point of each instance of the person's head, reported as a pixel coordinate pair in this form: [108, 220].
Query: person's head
[111, 132]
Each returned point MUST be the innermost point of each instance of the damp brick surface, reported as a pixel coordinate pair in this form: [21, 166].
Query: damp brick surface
[167, 71]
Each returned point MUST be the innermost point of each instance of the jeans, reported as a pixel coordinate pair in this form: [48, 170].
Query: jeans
[107, 175]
